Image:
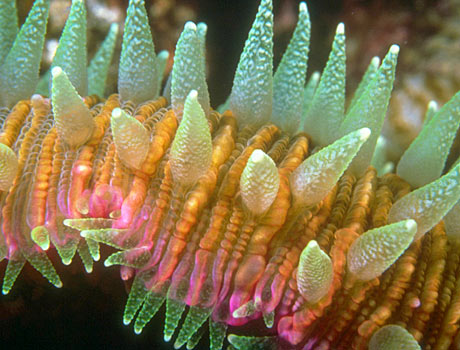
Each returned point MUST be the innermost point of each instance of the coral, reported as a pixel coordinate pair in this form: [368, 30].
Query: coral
[267, 215]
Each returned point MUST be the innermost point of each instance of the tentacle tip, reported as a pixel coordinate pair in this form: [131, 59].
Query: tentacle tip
[340, 28]
[117, 113]
[163, 54]
[375, 61]
[193, 95]
[394, 49]
[44, 246]
[258, 303]
[258, 156]
[315, 75]
[432, 104]
[303, 7]
[114, 27]
[364, 133]
[36, 98]
[190, 26]
[126, 321]
[9, 164]
[56, 71]
[202, 27]
[411, 225]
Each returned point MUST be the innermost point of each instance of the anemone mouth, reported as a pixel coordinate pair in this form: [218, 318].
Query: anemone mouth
[268, 213]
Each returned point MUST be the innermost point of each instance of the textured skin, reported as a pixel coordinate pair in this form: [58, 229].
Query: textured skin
[191, 150]
[74, 123]
[18, 81]
[424, 160]
[8, 26]
[71, 51]
[317, 175]
[428, 204]
[188, 70]
[393, 337]
[368, 76]
[452, 222]
[41, 237]
[259, 182]
[252, 91]
[289, 79]
[370, 110]
[99, 66]
[308, 93]
[130, 137]
[8, 167]
[314, 273]
[137, 73]
[376, 250]
[327, 108]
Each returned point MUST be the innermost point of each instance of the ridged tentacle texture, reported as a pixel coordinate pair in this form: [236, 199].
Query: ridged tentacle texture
[227, 218]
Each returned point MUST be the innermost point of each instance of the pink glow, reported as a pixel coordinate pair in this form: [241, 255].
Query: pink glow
[104, 200]
[126, 273]
[198, 276]
[287, 331]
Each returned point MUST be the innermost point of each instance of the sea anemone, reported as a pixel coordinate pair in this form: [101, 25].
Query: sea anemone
[268, 213]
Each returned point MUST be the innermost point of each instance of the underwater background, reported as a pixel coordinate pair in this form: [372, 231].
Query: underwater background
[87, 312]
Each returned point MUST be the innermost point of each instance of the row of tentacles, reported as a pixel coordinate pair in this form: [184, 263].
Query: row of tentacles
[208, 264]
[237, 217]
